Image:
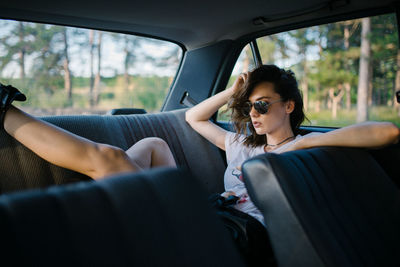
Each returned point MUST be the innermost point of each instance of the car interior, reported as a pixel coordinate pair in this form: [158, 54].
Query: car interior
[327, 206]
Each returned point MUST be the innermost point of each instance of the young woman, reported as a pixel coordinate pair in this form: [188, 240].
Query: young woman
[267, 102]
[76, 153]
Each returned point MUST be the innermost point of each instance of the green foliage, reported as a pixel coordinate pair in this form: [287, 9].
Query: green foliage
[80, 82]
[267, 47]
[150, 92]
[107, 96]
[331, 69]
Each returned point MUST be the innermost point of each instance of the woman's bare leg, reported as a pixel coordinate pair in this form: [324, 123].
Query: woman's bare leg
[66, 149]
[151, 152]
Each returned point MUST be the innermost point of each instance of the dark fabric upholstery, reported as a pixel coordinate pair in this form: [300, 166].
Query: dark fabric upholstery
[154, 218]
[327, 207]
[21, 169]
[389, 158]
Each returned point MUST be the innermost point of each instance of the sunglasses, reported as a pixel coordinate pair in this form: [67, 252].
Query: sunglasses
[260, 106]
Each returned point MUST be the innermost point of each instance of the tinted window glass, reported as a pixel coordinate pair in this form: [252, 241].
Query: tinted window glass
[65, 70]
[337, 63]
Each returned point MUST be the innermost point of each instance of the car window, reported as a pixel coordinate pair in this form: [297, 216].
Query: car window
[337, 64]
[65, 70]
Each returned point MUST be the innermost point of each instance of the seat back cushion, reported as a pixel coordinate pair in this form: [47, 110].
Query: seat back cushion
[327, 207]
[154, 218]
[21, 169]
[389, 158]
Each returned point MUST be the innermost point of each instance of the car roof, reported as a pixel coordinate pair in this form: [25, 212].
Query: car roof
[192, 24]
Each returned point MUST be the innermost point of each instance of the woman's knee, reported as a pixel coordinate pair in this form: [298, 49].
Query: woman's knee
[161, 153]
[155, 143]
[110, 159]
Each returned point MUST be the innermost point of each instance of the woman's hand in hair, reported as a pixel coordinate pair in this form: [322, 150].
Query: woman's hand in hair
[199, 116]
[239, 82]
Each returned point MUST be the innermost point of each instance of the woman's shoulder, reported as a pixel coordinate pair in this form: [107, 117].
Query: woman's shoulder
[309, 134]
[233, 140]
[234, 143]
[286, 146]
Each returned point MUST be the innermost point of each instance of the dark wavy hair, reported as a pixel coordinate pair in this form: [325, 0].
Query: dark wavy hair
[285, 85]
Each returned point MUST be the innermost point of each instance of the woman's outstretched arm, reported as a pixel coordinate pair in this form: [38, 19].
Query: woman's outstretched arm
[199, 115]
[366, 134]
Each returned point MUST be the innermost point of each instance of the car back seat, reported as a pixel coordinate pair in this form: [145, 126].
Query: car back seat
[327, 207]
[143, 219]
[21, 169]
[389, 159]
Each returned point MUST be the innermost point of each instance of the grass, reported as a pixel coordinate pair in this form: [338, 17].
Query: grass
[347, 117]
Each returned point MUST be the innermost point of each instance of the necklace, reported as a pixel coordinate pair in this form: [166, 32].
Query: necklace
[281, 142]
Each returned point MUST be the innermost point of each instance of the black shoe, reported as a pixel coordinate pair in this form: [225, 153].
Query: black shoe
[8, 94]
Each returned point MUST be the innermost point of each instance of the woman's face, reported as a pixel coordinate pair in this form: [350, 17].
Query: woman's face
[277, 118]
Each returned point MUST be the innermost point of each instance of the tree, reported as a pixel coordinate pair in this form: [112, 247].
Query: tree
[22, 50]
[67, 72]
[384, 58]
[48, 59]
[365, 54]
[303, 42]
[130, 45]
[336, 99]
[347, 33]
[98, 74]
[321, 32]
[91, 47]
[17, 44]
[332, 76]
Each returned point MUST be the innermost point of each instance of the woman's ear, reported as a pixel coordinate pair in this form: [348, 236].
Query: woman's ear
[289, 106]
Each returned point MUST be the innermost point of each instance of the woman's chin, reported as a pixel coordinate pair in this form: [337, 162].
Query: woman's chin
[260, 131]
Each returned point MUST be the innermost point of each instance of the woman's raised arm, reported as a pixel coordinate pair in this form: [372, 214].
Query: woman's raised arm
[199, 115]
[366, 134]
